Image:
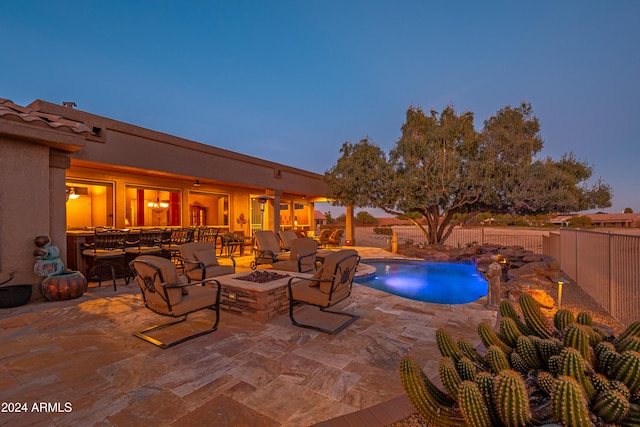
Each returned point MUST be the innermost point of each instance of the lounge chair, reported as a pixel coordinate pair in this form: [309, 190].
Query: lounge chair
[331, 284]
[286, 236]
[267, 250]
[200, 261]
[302, 258]
[169, 294]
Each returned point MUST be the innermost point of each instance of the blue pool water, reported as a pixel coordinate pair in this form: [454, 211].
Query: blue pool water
[438, 282]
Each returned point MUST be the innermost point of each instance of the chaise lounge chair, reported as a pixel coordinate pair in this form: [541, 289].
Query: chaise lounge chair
[286, 236]
[169, 294]
[267, 250]
[331, 284]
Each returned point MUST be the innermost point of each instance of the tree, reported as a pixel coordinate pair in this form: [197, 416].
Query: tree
[628, 210]
[442, 168]
[364, 218]
[330, 219]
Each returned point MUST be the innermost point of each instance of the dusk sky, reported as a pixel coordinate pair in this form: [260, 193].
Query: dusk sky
[290, 81]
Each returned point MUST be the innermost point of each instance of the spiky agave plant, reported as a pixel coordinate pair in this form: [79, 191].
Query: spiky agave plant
[534, 371]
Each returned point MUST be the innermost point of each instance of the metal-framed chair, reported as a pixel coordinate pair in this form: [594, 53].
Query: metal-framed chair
[302, 258]
[166, 292]
[331, 284]
[267, 249]
[200, 261]
[107, 251]
[177, 238]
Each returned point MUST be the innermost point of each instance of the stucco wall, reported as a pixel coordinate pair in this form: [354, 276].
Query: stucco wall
[24, 207]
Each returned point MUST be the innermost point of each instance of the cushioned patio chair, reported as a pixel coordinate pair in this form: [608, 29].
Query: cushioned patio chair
[323, 239]
[331, 284]
[167, 293]
[200, 261]
[302, 258]
[267, 250]
[286, 236]
[336, 237]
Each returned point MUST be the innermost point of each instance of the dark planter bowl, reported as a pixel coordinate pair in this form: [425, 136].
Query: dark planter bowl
[14, 295]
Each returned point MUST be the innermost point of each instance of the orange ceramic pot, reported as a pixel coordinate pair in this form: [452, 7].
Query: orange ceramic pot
[64, 286]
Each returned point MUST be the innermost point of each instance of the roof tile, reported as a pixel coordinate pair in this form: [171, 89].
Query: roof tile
[12, 111]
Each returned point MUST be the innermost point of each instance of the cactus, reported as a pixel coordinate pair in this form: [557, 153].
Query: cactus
[511, 398]
[577, 337]
[509, 331]
[527, 350]
[563, 318]
[446, 345]
[533, 316]
[472, 405]
[584, 319]
[572, 365]
[467, 349]
[547, 348]
[546, 381]
[489, 338]
[627, 370]
[497, 359]
[466, 369]
[632, 331]
[612, 406]
[569, 403]
[567, 369]
[631, 343]
[412, 379]
[449, 376]
[507, 311]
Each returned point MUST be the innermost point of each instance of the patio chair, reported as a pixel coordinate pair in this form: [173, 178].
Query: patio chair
[177, 238]
[302, 258]
[267, 250]
[200, 261]
[166, 292]
[107, 250]
[207, 234]
[331, 284]
[323, 239]
[286, 236]
[336, 237]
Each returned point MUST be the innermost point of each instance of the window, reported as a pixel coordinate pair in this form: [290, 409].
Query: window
[208, 209]
[152, 207]
[89, 204]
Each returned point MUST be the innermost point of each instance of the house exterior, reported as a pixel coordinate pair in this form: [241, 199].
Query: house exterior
[622, 220]
[64, 172]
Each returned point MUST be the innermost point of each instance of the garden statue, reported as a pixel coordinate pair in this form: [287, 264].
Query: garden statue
[493, 276]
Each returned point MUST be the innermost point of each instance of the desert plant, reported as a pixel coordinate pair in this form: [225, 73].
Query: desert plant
[535, 371]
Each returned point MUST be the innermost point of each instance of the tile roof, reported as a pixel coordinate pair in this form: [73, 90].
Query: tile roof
[12, 111]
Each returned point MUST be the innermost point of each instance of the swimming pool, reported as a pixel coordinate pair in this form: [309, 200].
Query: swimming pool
[438, 282]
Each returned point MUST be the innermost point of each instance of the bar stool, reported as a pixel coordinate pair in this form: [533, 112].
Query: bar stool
[178, 237]
[107, 250]
[149, 242]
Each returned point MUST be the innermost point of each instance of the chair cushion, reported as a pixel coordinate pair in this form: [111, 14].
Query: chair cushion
[208, 258]
[214, 271]
[317, 275]
[312, 295]
[331, 262]
[199, 297]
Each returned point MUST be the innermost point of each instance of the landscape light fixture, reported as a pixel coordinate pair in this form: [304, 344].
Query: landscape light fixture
[560, 282]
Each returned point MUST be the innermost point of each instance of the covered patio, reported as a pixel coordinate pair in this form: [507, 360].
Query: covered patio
[80, 359]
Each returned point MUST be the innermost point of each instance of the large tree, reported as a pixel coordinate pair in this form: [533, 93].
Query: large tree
[441, 166]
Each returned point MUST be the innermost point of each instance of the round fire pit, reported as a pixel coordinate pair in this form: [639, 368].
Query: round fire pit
[14, 295]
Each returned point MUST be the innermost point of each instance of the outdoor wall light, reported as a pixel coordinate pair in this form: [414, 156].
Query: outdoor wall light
[196, 183]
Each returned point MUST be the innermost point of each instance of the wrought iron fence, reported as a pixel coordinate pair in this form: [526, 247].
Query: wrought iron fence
[460, 238]
[605, 265]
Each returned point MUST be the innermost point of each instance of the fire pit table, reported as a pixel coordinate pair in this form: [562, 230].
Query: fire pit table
[248, 294]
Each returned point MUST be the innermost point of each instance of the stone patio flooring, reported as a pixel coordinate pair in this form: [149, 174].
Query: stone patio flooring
[79, 364]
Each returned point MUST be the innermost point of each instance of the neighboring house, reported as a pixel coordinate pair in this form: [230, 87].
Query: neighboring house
[319, 219]
[623, 220]
[64, 172]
